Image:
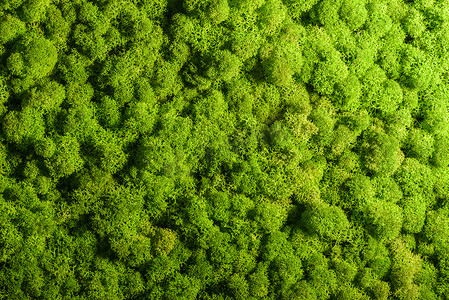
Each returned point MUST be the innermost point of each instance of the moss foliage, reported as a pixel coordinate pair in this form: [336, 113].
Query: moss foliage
[224, 149]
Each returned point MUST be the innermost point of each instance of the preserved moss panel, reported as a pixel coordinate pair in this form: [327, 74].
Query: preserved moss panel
[224, 149]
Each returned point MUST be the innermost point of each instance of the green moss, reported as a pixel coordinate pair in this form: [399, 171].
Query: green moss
[224, 149]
